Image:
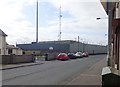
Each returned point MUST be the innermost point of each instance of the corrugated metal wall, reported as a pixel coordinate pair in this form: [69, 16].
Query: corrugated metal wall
[64, 47]
[92, 49]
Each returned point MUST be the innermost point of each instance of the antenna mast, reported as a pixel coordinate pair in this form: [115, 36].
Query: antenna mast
[60, 16]
[37, 22]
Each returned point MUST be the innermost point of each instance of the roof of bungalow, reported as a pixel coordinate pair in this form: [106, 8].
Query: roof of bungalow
[2, 33]
[12, 47]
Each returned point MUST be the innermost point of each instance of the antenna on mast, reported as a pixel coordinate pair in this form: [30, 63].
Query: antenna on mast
[60, 16]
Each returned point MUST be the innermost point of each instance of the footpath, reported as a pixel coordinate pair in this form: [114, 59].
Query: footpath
[92, 76]
[12, 66]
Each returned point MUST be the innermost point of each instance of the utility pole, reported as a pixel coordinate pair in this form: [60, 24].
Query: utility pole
[109, 6]
[37, 22]
[78, 44]
[83, 46]
[60, 16]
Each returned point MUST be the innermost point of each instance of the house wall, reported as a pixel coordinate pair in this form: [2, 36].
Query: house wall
[20, 52]
[15, 51]
[2, 45]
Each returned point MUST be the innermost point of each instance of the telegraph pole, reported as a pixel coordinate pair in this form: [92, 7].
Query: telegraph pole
[37, 22]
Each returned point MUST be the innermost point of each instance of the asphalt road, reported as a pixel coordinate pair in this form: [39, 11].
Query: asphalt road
[51, 73]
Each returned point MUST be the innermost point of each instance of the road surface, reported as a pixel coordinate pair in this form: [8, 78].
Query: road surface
[50, 73]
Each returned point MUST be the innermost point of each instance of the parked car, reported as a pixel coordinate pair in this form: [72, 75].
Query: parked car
[79, 55]
[71, 55]
[85, 54]
[62, 56]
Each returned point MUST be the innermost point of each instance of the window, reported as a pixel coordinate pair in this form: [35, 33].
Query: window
[0, 51]
[9, 51]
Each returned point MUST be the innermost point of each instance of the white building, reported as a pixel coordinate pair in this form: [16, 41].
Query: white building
[2, 43]
[11, 49]
[6, 49]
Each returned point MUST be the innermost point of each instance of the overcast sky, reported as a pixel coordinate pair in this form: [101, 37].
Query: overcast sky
[18, 20]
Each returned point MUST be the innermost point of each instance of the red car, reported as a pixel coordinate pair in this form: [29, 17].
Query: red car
[62, 56]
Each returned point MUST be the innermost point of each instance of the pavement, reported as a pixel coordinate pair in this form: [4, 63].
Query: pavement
[12, 66]
[92, 76]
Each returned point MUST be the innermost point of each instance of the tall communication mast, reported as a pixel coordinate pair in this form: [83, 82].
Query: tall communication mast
[60, 16]
[37, 22]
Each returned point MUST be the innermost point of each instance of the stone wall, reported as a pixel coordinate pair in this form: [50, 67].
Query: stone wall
[13, 59]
